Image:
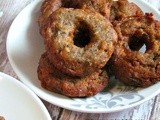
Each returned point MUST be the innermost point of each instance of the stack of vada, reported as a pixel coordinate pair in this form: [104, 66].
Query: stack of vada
[136, 58]
[79, 42]
[81, 37]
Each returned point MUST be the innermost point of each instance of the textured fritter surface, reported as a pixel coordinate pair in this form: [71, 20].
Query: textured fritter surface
[131, 65]
[93, 33]
[122, 8]
[54, 80]
[100, 6]
[49, 6]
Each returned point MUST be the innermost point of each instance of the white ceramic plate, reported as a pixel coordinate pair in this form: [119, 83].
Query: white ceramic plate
[24, 48]
[18, 102]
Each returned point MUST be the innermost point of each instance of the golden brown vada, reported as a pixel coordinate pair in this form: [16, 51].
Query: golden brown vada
[131, 65]
[58, 82]
[79, 41]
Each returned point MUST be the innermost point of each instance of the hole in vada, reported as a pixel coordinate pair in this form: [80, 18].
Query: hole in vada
[69, 4]
[139, 42]
[82, 35]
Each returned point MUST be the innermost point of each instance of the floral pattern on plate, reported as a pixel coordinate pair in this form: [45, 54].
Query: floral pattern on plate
[115, 96]
[28, 43]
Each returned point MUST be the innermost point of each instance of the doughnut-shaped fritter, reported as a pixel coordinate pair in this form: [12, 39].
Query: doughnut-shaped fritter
[79, 41]
[131, 65]
[55, 81]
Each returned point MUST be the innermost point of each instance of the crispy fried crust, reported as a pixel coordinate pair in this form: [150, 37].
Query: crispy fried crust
[2, 118]
[131, 66]
[100, 6]
[54, 80]
[59, 36]
[122, 8]
[49, 6]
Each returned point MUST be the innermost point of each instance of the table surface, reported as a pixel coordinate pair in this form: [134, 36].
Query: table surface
[149, 110]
